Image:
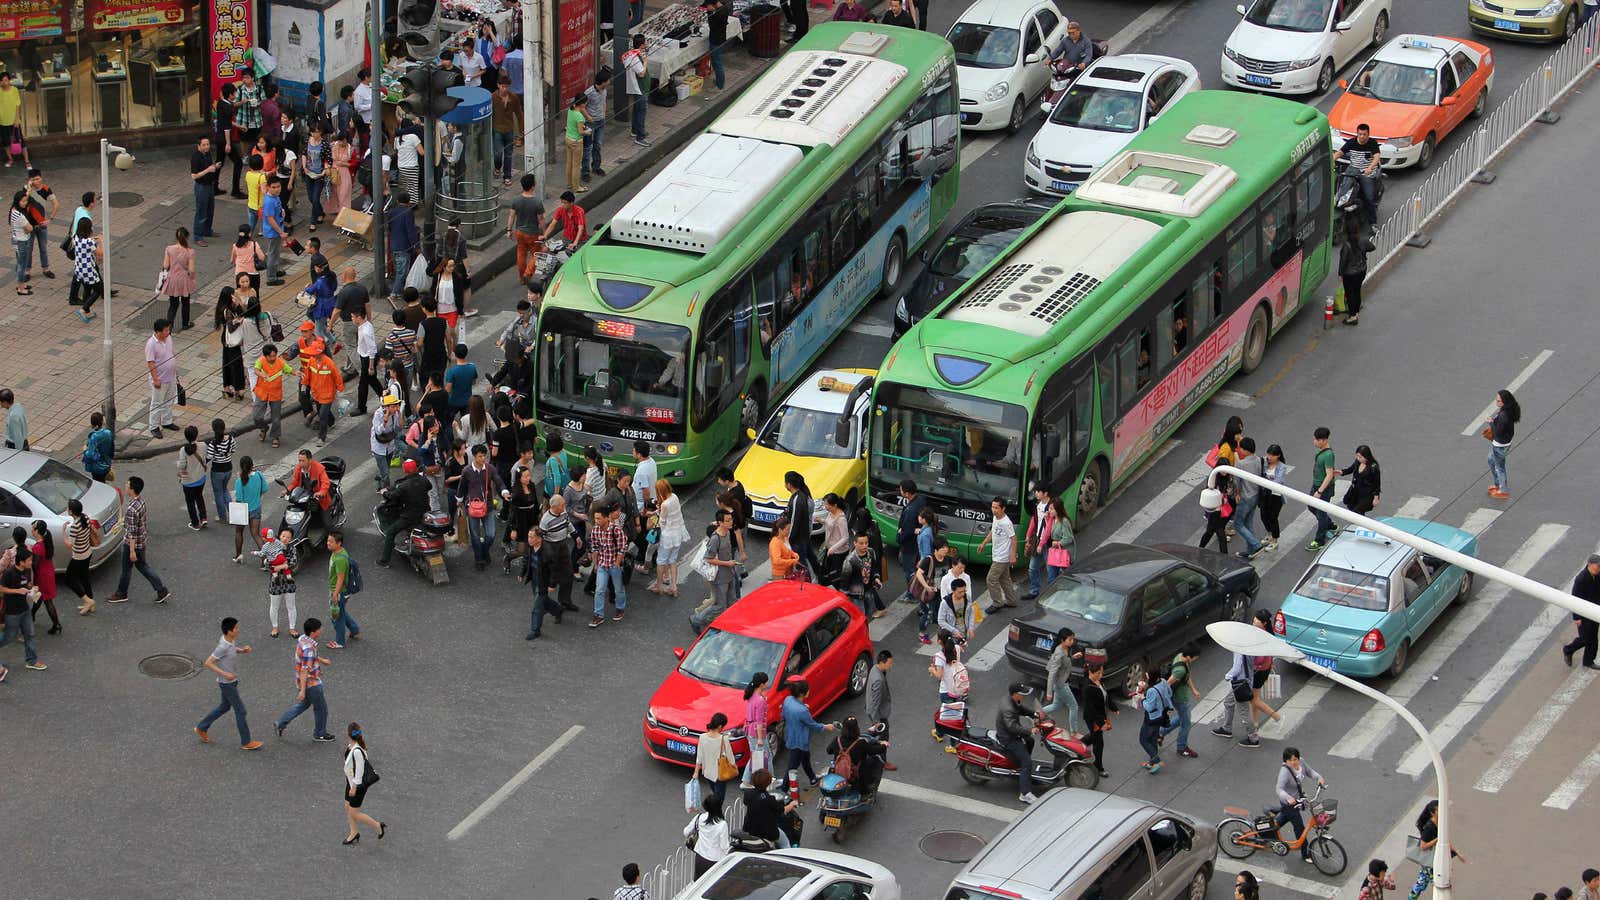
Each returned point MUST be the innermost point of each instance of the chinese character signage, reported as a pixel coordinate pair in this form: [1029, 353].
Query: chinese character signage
[231, 39]
[110, 15]
[578, 30]
[29, 19]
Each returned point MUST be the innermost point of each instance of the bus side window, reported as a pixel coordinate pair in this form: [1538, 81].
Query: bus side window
[1145, 357]
[1082, 418]
[1242, 256]
[767, 287]
[1127, 373]
[719, 375]
[1311, 183]
[1277, 226]
[1108, 387]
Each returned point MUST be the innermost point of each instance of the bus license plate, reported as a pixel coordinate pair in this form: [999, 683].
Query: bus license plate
[1262, 80]
[680, 746]
[1044, 643]
[1330, 664]
[1063, 186]
[832, 821]
[1507, 25]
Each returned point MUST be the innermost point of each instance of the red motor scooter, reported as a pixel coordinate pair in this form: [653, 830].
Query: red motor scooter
[980, 759]
[1062, 75]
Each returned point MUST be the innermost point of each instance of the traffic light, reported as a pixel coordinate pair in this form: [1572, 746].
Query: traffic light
[418, 24]
[439, 100]
[417, 90]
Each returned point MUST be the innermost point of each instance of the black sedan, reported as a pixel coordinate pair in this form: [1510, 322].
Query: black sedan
[1138, 604]
[976, 240]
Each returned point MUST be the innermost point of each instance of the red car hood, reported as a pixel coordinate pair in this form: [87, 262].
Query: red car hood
[685, 701]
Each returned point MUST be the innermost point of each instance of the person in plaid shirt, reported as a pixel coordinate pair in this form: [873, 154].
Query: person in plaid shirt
[631, 888]
[308, 680]
[607, 542]
[135, 524]
[247, 110]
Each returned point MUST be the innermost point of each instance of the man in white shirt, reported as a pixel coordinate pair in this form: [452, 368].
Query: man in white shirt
[363, 104]
[644, 473]
[471, 64]
[633, 66]
[1003, 535]
[367, 354]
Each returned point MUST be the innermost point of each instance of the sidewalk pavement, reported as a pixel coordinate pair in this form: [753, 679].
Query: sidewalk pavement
[54, 360]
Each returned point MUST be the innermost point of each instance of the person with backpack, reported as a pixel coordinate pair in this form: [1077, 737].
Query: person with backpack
[344, 582]
[853, 755]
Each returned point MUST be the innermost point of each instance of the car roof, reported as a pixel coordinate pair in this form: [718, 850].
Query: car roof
[842, 863]
[1123, 566]
[17, 466]
[779, 611]
[1409, 50]
[1360, 550]
[811, 393]
[998, 12]
[1030, 851]
[1144, 63]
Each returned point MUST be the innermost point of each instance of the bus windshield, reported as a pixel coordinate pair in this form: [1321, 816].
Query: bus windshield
[611, 365]
[953, 445]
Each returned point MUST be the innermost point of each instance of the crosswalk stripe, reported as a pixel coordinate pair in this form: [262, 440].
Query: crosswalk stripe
[1182, 487]
[1479, 520]
[1533, 734]
[1274, 877]
[1568, 792]
[1362, 740]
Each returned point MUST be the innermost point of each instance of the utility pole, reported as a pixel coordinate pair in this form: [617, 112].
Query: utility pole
[430, 145]
[124, 160]
[533, 142]
[380, 231]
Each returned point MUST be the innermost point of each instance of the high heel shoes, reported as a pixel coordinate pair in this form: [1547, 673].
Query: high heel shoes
[86, 608]
[352, 839]
[382, 827]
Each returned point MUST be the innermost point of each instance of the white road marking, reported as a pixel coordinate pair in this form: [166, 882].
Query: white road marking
[878, 629]
[1141, 23]
[1568, 792]
[1479, 520]
[975, 149]
[1209, 709]
[992, 651]
[950, 801]
[506, 790]
[1362, 740]
[1476, 425]
[1533, 734]
[1233, 399]
[1281, 879]
[1182, 487]
[871, 328]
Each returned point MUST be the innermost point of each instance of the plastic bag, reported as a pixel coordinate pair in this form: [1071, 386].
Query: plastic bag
[265, 64]
[691, 796]
[418, 276]
[1274, 688]
[701, 567]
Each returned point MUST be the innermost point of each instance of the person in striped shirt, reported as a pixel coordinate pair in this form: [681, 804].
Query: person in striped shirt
[402, 342]
[135, 539]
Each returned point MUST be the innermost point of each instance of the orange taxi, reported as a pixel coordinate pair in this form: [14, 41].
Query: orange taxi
[1415, 90]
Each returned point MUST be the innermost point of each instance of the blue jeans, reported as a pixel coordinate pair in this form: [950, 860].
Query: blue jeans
[1064, 699]
[640, 104]
[253, 219]
[908, 562]
[1325, 526]
[504, 142]
[219, 491]
[1036, 571]
[314, 188]
[1147, 739]
[716, 64]
[343, 624]
[20, 625]
[24, 259]
[230, 700]
[1497, 465]
[481, 533]
[383, 477]
[402, 267]
[320, 329]
[1242, 514]
[205, 206]
[319, 711]
[1181, 726]
[41, 239]
[608, 583]
[143, 565]
[592, 143]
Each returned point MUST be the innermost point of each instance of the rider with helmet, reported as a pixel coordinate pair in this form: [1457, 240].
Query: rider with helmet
[404, 505]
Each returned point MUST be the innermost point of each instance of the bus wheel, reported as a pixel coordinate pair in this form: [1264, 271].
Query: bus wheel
[1091, 492]
[1255, 341]
[894, 264]
[750, 413]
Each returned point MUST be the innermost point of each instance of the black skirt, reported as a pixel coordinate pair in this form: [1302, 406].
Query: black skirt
[354, 798]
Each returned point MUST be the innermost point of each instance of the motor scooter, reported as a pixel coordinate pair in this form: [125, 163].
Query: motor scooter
[843, 804]
[1062, 75]
[981, 759]
[547, 261]
[303, 516]
[423, 545]
[1347, 196]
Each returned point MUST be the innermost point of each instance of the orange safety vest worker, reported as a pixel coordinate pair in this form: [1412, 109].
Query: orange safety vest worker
[269, 378]
[323, 379]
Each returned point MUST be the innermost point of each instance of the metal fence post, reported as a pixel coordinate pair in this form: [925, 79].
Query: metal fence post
[1547, 116]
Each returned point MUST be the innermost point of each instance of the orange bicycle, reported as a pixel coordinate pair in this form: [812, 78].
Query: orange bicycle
[1240, 837]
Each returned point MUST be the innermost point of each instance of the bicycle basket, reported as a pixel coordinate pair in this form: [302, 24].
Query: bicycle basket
[1324, 812]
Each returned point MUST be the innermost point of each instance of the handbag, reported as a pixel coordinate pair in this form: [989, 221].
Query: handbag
[1242, 691]
[1274, 687]
[238, 513]
[726, 769]
[183, 395]
[305, 299]
[1058, 557]
[691, 799]
[478, 509]
[1416, 854]
[67, 248]
[1487, 432]
[16, 146]
[369, 775]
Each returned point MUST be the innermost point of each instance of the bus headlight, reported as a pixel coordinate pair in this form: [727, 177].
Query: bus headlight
[998, 92]
[672, 449]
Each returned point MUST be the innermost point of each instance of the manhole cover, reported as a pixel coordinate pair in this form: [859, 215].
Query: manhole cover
[951, 846]
[125, 199]
[168, 665]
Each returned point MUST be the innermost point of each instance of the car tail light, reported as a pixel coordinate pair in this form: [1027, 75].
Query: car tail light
[1279, 625]
[1373, 642]
[1014, 632]
[999, 892]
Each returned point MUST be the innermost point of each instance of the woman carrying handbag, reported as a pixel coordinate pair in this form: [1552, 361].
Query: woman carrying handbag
[228, 317]
[359, 775]
[1058, 557]
[714, 759]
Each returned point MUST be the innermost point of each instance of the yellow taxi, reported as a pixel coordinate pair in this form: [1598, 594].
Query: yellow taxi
[820, 431]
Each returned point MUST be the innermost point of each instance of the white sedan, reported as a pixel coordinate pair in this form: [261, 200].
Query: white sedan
[1298, 46]
[1111, 102]
[1002, 59]
[797, 874]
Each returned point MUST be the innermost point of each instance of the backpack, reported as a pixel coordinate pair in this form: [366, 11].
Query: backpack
[353, 585]
[843, 765]
[960, 678]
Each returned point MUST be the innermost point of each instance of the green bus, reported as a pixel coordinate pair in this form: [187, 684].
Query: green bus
[716, 285]
[1075, 353]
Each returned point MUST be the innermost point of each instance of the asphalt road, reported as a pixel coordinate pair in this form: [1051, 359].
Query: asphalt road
[111, 792]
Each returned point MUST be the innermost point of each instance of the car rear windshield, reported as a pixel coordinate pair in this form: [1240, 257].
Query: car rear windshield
[1345, 587]
[1085, 599]
[54, 484]
[756, 878]
[971, 249]
[722, 657]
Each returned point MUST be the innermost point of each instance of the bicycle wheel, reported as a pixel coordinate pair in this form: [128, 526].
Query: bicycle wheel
[1328, 855]
[1228, 833]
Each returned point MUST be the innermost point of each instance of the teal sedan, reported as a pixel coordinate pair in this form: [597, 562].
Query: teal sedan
[1367, 599]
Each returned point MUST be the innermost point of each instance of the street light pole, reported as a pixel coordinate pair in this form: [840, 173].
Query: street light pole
[533, 138]
[1246, 639]
[108, 406]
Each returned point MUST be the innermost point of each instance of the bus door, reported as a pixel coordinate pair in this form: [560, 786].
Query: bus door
[1063, 429]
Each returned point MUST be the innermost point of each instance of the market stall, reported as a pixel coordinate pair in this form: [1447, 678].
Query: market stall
[676, 37]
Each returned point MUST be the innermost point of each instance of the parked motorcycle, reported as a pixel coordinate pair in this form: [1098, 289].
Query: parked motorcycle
[547, 262]
[980, 759]
[423, 545]
[303, 516]
[1062, 75]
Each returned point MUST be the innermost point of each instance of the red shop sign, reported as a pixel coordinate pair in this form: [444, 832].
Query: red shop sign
[111, 15]
[577, 41]
[229, 36]
[29, 19]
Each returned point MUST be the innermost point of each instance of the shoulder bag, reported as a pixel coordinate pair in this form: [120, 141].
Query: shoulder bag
[727, 770]
[369, 775]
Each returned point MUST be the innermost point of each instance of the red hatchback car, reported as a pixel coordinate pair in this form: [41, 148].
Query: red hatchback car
[786, 629]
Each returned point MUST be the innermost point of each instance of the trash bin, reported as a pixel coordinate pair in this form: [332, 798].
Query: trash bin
[765, 38]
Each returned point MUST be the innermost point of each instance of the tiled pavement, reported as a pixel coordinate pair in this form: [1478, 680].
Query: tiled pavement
[53, 360]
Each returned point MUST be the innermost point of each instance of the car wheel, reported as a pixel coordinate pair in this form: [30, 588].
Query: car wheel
[1255, 341]
[1197, 885]
[1325, 77]
[1135, 676]
[1398, 666]
[1569, 25]
[1018, 112]
[1465, 590]
[1238, 607]
[1380, 29]
[1091, 492]
[894, 264]
[1482, 104]
[1426, 156]
[751, 411]
[858, 675]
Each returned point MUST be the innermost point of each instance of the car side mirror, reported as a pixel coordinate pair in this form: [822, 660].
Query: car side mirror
[1449, 101]
[841, 431]
[1032, 58]
[924, 255]
[750, 433]
[678, 652]
[1344, 84]
[1239, 9]
[1342, 26]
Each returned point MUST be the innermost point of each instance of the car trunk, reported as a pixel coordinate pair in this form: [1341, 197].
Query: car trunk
[1309, 628]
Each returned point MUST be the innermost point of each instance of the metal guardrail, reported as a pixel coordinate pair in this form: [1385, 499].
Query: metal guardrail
[1528, 104]
[676, 872]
